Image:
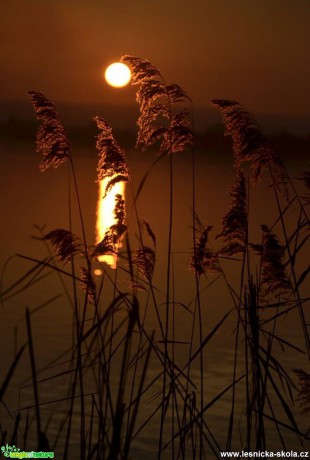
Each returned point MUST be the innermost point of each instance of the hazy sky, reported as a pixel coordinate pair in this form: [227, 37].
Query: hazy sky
[255, 51]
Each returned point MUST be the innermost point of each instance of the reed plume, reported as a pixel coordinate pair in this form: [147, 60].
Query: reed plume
[111, 239]
[179, 136]
[151, 88]
[52, 141]
[305, 178]
[274, 278]
[145, 261]
[88, 284]
[149, 131]
[150, 232]
[112, 162]
[235, 222]
[304, 392]
[177, 94]
[156, 121]
[141, 69]
[203, 259]
[250, 144]
[145, 257]
[65, 243]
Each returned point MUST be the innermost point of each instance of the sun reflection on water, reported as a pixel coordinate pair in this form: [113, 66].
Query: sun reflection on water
[106, 217]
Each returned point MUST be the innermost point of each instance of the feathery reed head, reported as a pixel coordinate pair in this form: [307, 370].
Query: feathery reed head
[250, 144]
[141, 69]
[177, 94]
[112, 162]
[88, 284]
[179, 136]
[145, 261]
[150, 232]
[235, 222]
[304, 392]
[111, 239]
[145, 257]
[65, 243]
[156, 121]
[274, 278]
[152, 99]
[52, 141]
[305, 178]
[203, 260]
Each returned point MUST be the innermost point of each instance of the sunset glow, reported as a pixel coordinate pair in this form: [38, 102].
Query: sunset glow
[118, 75]
[106, 217]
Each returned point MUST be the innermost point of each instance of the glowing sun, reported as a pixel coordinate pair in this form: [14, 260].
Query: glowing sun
[117, 75]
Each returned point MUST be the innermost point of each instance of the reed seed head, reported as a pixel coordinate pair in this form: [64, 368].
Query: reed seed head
[250, 144]
[52, 140]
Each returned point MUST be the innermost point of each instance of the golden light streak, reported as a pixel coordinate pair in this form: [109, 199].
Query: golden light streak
[106, 217]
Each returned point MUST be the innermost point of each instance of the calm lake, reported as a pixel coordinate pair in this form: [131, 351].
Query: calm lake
[30, 198]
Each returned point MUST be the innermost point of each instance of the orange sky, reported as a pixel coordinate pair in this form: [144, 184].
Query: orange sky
[255, 51]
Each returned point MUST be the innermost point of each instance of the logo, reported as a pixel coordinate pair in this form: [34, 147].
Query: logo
[14, 452]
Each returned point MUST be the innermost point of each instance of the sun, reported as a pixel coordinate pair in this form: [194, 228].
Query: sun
[117, 74]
